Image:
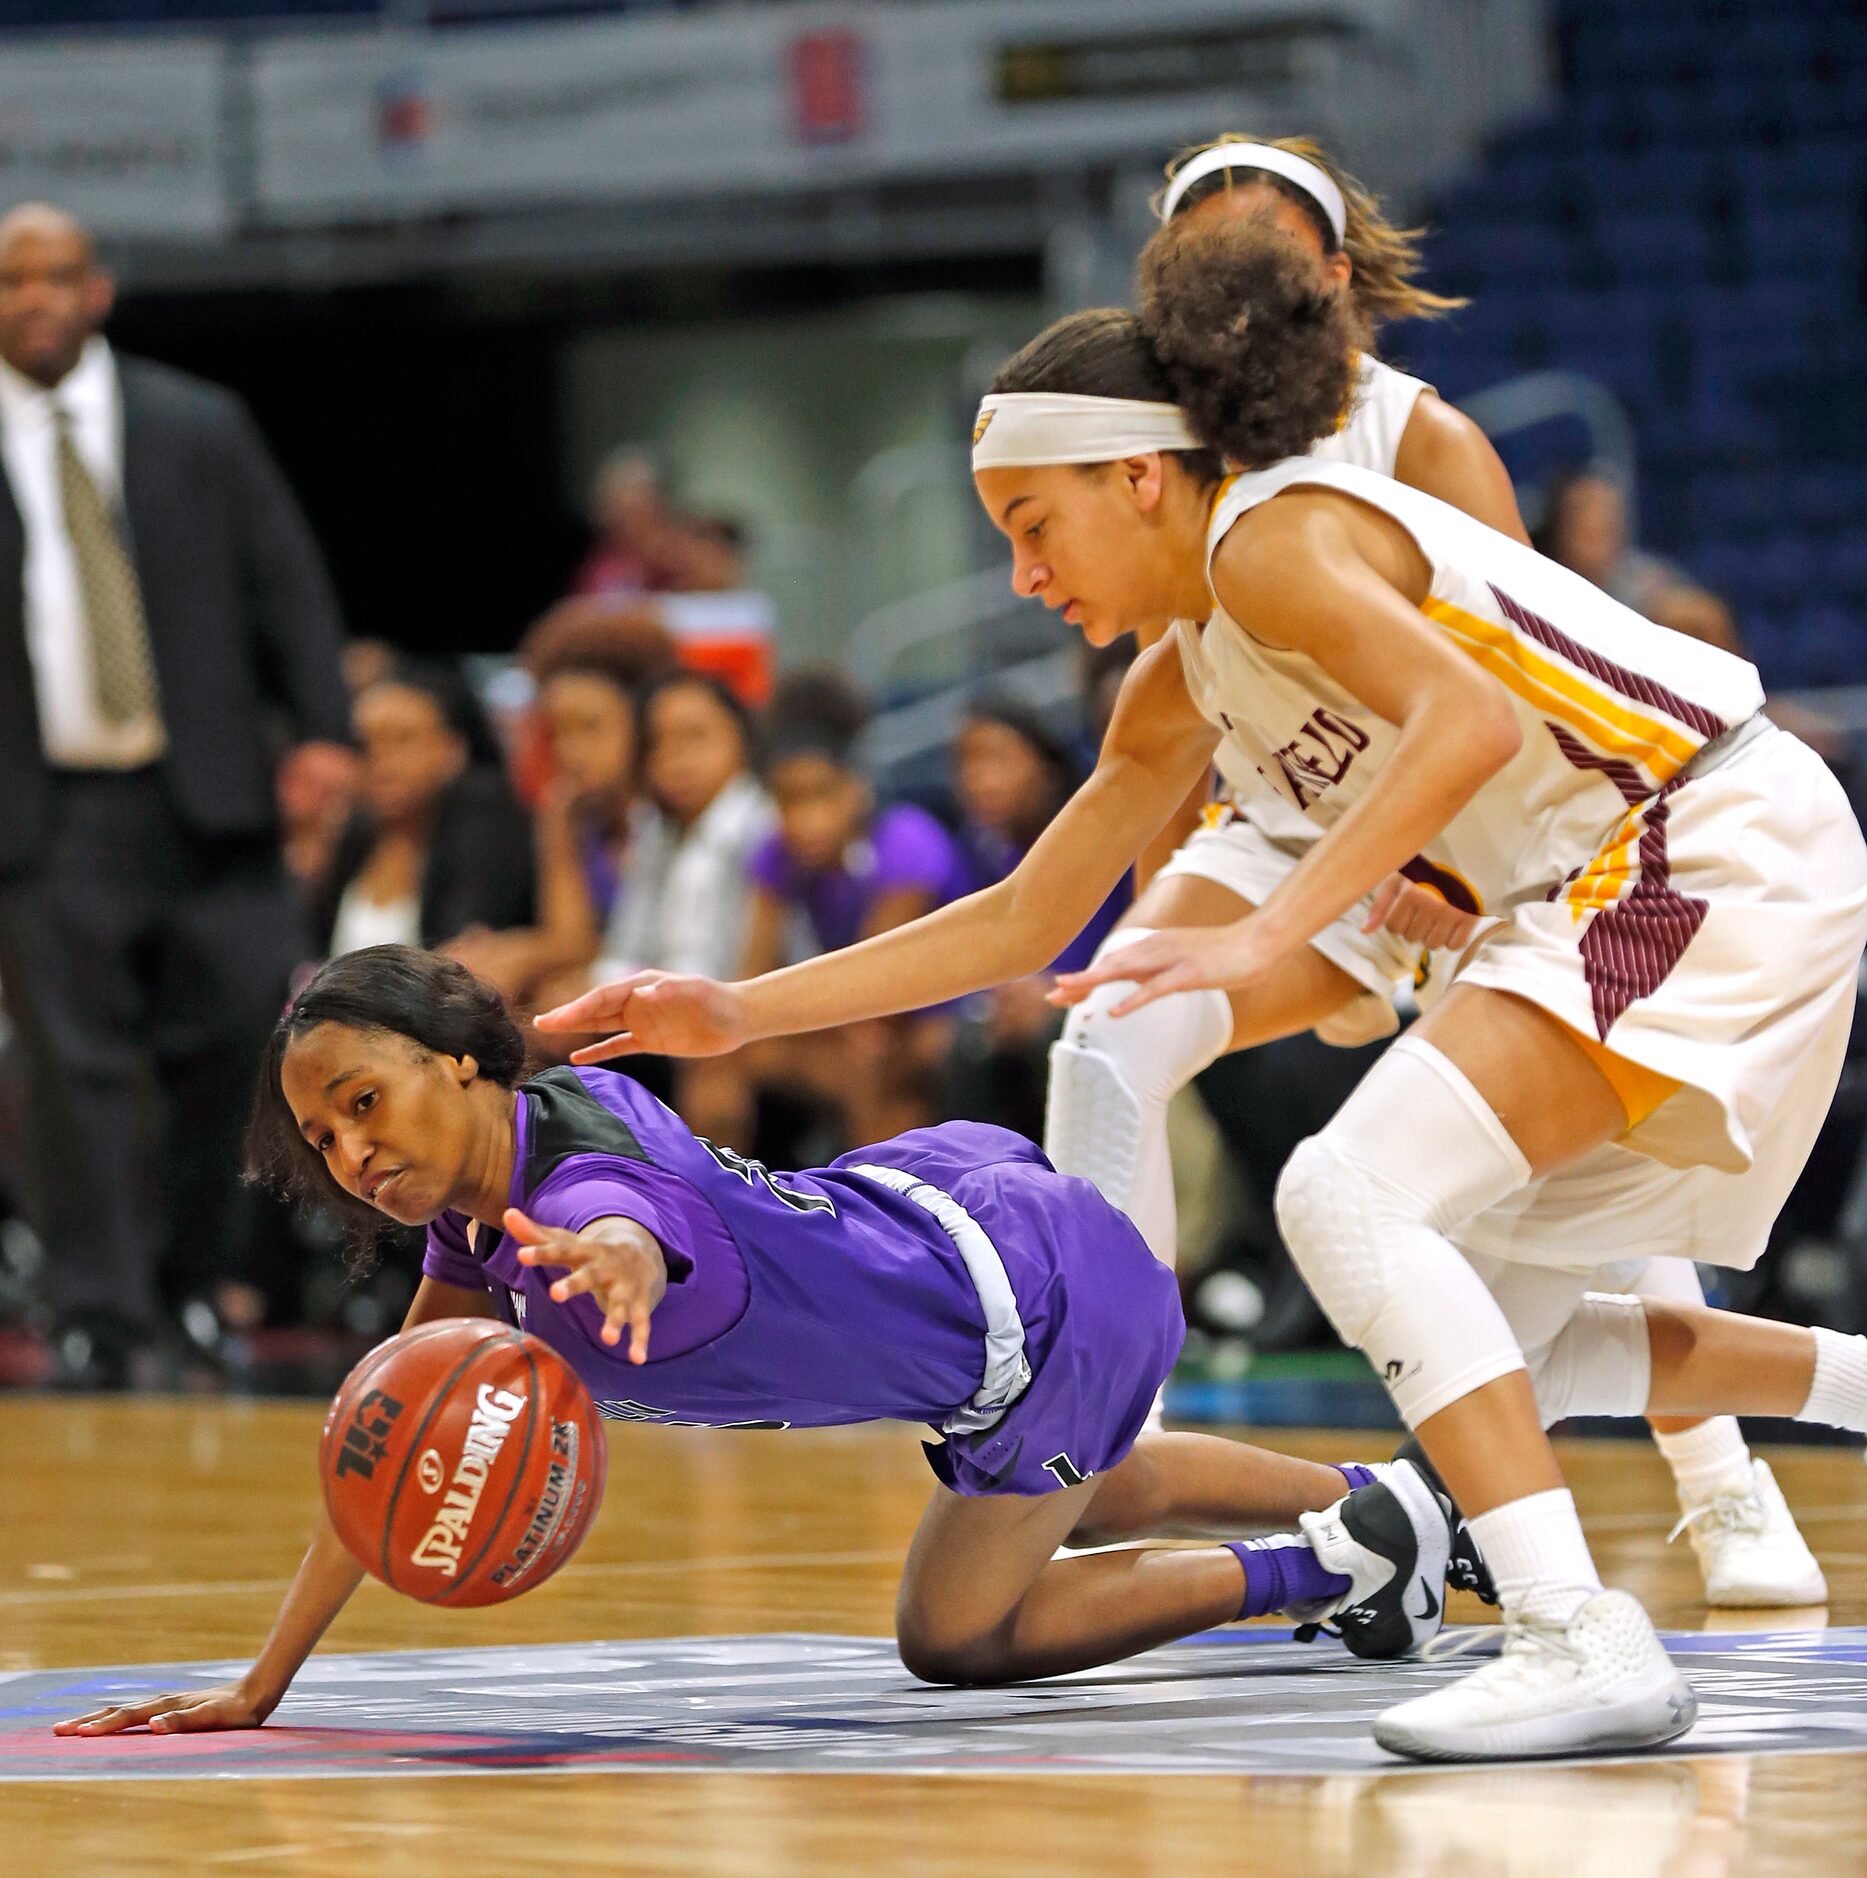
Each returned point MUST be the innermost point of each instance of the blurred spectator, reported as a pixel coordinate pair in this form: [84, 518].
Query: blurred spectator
[685, 894]
[316, 801]
[628, 646]
[590, 686]
[367, 662]
[836, 869]
[643, 545]
[1011, 774]
[439, 852]
[149, 625]
[1585, 528]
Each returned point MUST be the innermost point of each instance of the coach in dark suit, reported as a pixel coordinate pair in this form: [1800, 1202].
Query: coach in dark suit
[166, 626]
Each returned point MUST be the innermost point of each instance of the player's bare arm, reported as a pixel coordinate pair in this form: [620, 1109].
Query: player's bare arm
[1444, 453]
[321, 1588]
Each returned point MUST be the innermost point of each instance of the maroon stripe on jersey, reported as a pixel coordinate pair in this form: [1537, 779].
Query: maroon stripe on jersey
[1630, 684]
[1630, 948]
[1624, 775]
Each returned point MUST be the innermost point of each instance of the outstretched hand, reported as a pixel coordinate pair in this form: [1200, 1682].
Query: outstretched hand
[623, 1276]
[655, 1014]
[1182, 958]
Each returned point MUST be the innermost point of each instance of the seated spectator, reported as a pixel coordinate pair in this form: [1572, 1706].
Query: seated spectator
[836, 869]
[1585, 528]
[439, 846]
[1011, 774]
[587, 707]
[685, 895]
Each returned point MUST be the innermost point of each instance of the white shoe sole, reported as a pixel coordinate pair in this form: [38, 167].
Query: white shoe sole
[1769, 1597]
[1643, 1719]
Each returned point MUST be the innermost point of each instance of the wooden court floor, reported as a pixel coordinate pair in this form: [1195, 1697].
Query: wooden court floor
[162, 1530]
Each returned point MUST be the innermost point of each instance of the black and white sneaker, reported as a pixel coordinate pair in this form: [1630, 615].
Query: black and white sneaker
[1467, 1570]
[1391, 1540]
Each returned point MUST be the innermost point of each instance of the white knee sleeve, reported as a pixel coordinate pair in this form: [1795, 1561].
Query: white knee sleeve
[1365, 1207]
[1601, 1364]
[1111, 1079]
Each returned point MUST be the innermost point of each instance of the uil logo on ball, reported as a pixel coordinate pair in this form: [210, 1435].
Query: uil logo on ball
[366, 1439]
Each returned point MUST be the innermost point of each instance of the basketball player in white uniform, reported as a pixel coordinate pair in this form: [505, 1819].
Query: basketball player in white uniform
[1111, 1080]
[1677, 894]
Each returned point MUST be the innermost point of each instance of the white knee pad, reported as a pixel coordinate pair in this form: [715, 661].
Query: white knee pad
[1365, 1207]
[1111, 1079]
[1600, 1364]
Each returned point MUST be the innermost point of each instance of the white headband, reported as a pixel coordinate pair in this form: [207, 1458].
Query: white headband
[1311, 178]
[1018, 429]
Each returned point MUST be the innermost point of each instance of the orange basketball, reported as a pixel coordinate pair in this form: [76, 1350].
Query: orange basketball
[462, 1462]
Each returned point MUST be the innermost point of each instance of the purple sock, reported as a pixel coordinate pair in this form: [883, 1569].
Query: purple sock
[1355, 1474]
[1283, 1571]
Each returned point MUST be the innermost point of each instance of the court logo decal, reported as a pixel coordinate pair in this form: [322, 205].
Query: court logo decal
[1232, 1702]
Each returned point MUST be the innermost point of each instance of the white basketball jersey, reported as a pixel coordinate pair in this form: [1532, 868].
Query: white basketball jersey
[1377, 420]
[1611, 706]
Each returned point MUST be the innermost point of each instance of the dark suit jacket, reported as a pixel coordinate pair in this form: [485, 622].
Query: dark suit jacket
[478, 871]
[241, 613]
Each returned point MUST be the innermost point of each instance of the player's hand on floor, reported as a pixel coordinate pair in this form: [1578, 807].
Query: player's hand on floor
[200, 1712]
[1418, 915]
[657, 1013]
[622, 1273]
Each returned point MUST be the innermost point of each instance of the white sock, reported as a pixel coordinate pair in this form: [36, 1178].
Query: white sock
[1538, 1556]
[1111, 1078]
[1838, 1395]
[1708, 1461]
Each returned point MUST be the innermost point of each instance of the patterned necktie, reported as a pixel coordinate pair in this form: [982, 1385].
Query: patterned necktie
[113, 602]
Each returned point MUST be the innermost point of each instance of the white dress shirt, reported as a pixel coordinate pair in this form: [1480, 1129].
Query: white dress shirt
[73, 729]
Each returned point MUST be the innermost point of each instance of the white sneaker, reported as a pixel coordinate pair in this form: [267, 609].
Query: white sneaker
[1597, 1684]
[1750, 1553]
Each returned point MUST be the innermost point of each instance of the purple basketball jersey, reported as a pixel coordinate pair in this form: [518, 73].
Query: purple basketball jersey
[827, 1296]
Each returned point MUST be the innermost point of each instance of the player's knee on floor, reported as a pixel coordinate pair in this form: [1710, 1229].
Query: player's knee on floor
[945, 1653]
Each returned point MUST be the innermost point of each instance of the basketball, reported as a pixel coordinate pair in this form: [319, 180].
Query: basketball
[462, 1462]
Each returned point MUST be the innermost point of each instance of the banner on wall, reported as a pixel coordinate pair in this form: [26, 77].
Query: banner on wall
[126, 135]
[359, 125]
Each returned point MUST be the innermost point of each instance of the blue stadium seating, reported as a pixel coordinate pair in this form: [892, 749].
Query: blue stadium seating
[1690, 228]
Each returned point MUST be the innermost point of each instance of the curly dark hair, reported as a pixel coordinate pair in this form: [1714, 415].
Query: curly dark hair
[434, 1002]
[1101, 353]
[1259, 355]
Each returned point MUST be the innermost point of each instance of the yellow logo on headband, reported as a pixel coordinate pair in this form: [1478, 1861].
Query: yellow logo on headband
[982, 426]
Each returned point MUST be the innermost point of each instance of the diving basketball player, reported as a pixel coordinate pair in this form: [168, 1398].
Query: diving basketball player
[948, 1276]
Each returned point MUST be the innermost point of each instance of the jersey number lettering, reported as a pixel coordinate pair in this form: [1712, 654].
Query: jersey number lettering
[751, 1172]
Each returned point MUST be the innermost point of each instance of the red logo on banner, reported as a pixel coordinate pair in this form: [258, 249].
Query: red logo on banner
[826, 85]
